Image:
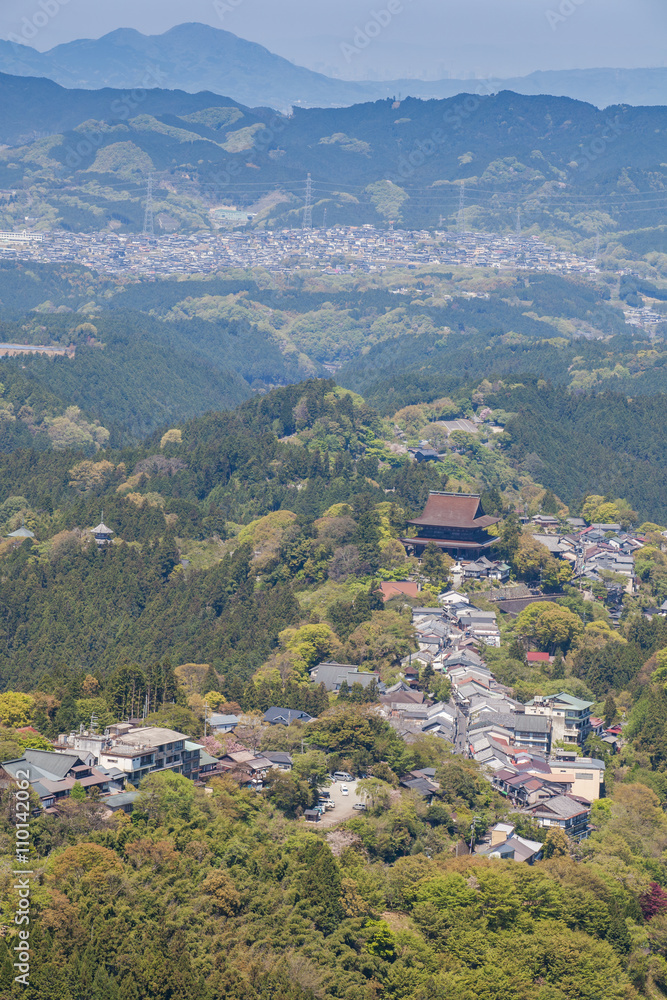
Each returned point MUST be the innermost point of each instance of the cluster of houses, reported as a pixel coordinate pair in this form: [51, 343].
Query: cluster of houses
[115, 762]
[453, 626]
[595, 552]
[109, 762]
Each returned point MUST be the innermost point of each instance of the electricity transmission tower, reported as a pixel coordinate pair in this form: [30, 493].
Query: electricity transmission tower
[148, 211]
[597, 249]
[518, 221]
[308, 207]
[462, 208]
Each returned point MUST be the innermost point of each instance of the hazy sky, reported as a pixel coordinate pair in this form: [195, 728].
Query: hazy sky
[360, 39]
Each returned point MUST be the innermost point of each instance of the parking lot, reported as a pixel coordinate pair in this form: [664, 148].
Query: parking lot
[344, 804]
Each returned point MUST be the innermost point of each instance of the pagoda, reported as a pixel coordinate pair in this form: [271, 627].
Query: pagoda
[456, 523]
[102, 533]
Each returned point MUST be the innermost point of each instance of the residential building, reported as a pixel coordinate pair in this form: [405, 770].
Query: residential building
[254, 766]
[285, 716]
[222, 723]
[399, 588]
[567, 812]
[508, 846]
[136, 750]
[279, 759]
[584, 774]
[52, 776]
[332, 675]
[570, 716]
[120, 802]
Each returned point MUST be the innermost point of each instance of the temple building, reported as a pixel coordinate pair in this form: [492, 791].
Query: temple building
[456, 523]
[102, 534]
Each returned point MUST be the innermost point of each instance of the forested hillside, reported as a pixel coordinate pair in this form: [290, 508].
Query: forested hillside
[572, 170]
[146, 353]
[248, 546]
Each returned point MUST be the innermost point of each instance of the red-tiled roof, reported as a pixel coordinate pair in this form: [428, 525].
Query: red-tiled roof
[538, 657]
[456, 510]
[391, 588]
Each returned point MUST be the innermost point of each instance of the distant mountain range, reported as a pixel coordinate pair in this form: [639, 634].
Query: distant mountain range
[197, 57]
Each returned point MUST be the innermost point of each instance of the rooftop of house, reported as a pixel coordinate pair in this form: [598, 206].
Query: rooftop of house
[152, 736]
[119, 800]
[564, 699]
[562, 806]
[285, 716]
[278, 757]
[43, 764]
[531, 724]
[216, 719]
[515, 847]
[578, 763]
[399, 588]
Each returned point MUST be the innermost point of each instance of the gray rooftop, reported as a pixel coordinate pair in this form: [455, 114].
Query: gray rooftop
[562, 806]
[151, 736]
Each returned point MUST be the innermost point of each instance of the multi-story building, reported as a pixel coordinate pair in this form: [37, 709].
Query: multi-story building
[569, 813]
[137, 752]
[52, 776]
[585, 775]
[570, 717]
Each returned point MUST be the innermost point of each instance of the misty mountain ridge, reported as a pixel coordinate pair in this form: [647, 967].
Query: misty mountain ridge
[197, 57]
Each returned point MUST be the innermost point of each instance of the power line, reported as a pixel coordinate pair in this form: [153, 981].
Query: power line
[308, 207]
[148, 212]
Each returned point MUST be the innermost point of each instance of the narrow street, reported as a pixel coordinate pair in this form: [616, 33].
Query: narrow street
[461, 732]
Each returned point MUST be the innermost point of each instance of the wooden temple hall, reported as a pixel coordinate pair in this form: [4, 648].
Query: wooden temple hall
[456, 522]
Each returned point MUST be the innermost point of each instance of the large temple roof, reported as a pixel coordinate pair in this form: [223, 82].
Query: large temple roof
[454, 510]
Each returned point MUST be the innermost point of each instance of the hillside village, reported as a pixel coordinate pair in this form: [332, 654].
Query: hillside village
[530, 753]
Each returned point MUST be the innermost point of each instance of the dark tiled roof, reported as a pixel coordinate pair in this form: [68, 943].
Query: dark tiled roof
[286, 716]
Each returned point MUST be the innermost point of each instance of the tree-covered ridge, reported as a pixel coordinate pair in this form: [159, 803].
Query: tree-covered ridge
[236, 525]
[572, 441]
[574, 170]
[147, 353]
[248, 548]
